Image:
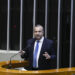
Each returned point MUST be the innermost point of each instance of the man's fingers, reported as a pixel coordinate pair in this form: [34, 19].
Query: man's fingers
[46, 55]
[46, 58]
[21, 51]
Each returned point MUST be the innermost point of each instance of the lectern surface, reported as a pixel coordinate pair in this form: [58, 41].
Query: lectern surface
[15, 64]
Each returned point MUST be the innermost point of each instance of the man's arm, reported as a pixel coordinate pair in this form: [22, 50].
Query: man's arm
[24, 52]
[50, 55]
[53, 56]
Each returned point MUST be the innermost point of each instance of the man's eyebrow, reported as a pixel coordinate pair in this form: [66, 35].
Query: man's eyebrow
[37, 31]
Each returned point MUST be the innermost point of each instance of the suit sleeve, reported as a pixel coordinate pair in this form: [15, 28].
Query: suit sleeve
[53, 56]
[25, 55]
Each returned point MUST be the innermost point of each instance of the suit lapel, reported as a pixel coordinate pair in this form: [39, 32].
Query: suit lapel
[32, 45]
[31, 51]
[43, 46]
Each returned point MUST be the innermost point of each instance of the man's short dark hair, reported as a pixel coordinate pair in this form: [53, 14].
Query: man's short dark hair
[39, 25]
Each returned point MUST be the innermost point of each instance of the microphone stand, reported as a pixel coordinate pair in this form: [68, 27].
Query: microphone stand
[10, 65]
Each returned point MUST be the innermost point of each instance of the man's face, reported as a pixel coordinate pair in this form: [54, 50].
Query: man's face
[38, 32]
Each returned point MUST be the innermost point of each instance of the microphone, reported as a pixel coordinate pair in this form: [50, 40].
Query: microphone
[10, 64]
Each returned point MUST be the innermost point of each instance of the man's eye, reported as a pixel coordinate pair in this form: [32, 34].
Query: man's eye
[39, 31]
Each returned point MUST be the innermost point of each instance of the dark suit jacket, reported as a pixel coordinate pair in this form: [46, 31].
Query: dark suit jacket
[47, 46]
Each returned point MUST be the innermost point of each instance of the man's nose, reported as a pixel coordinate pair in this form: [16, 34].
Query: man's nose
[37, 32]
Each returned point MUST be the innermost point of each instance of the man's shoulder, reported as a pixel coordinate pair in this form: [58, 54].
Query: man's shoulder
[49, 40]
[31, 40]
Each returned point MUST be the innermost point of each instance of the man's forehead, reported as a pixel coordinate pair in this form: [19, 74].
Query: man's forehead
[39, 27]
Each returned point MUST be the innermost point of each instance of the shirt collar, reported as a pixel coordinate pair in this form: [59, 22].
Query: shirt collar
[41, 40]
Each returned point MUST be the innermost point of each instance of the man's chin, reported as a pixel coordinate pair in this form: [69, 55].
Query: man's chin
[38, 38]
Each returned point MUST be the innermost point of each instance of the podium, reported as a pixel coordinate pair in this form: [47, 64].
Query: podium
[15, 64]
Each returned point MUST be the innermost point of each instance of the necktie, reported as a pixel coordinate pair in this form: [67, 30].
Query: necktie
[35, 55]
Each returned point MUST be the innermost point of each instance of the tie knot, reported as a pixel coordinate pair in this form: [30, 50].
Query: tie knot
[37, 41]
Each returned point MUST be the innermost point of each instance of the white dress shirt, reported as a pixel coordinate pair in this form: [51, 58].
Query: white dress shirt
[39, 49]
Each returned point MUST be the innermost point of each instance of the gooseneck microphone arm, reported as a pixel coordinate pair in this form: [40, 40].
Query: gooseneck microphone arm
[10, 64]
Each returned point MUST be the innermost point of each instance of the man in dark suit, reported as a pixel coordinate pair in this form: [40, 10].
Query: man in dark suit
[40, 50]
